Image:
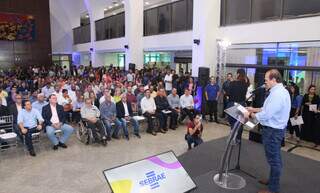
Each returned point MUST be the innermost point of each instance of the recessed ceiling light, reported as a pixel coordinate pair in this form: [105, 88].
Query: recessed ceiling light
[116, 4]
[114, 13]
[147, 3]
[122, 2]
[110, 7]
[105, 9]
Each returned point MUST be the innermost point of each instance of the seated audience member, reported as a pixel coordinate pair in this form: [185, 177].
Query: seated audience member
[91, 114]
[163, 106]
[106, 93]
[174, 102]
[153, 93]
[94, 99]
[29, 121]
[54, 119]
[109, 115]
[124, 115]
[131, 98]
[47, 90]
[117, 95]
[148, 107]
[66, 102]
[3, 97]
[76, 107]
[34, 96]
[140, 96]
[4, 111]
[187, 105]
[40, 103]
[14, 109]
[194, 132]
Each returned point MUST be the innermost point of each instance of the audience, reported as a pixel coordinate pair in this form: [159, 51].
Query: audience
[187, 105]
[164, 110]
[118, 96]
[148, 107]
[90, 114]
[40, 103]
[109, 115]
[55, 119]
[124, 115]
[30, 122]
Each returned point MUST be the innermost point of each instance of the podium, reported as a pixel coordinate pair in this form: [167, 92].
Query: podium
[225, 178]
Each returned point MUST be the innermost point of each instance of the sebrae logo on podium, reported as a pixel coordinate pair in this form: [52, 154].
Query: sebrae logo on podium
[153, 180]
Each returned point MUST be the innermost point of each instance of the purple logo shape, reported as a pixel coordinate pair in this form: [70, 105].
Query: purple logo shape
[163, 164]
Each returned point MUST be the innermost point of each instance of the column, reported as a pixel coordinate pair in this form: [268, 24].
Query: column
[134, 33]
[95, 11]
[206, 21]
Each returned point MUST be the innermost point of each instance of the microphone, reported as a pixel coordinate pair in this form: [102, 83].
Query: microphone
[260, 87]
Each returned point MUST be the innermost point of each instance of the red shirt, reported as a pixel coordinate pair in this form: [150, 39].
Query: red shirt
[191, 125]
[131, 98]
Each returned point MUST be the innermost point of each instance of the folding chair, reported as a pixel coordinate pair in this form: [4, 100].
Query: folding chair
[8, 138]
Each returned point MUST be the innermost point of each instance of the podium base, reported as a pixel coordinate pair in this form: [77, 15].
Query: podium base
[230, 181]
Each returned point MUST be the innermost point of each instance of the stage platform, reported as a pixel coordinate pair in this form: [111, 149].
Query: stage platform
[299, 174]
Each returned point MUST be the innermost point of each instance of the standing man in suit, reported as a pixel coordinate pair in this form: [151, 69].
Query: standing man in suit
[124, 115]
[14, 109]
[54, 118]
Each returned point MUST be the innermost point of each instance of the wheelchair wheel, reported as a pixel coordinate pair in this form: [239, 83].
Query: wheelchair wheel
[83, 134]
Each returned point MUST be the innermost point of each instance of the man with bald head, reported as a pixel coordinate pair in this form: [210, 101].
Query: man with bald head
[273, 117]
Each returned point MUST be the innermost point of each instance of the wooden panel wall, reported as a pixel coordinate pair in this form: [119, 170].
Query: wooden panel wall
[25, 53]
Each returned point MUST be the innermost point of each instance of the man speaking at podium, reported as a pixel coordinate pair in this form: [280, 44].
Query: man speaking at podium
[273, 117]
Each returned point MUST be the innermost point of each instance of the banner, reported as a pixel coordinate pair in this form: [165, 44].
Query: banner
[17, 27]
[158, 174]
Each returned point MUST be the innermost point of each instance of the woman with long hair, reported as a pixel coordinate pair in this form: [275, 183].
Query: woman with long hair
[237, 94]
[311, 98]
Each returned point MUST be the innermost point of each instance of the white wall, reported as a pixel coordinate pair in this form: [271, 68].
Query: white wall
[64, 16]
[304, 29]
[167, 42]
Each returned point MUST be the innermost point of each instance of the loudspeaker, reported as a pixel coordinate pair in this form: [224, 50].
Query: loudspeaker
[132, 66]
[203, 76]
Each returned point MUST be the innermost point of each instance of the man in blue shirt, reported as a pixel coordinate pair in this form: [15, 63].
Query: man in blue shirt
[109, 115]
[273, 117]
[29, 121]
[39, 103]
[212, 94]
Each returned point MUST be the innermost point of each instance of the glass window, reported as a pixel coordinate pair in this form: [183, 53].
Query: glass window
[100, 32]
[237, 11]
[164, 19]
[300, 7]
[151, 21]
[190, 14]
[179, 16]
[265, 9]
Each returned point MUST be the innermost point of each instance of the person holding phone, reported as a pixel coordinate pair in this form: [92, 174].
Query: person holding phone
[194, 132]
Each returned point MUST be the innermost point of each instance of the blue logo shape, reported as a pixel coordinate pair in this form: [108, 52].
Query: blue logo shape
[152, 180]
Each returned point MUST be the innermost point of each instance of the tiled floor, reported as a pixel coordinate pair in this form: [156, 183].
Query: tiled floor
[78, 169]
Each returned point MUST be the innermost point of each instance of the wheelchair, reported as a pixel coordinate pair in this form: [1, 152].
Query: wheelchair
[85, 134]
